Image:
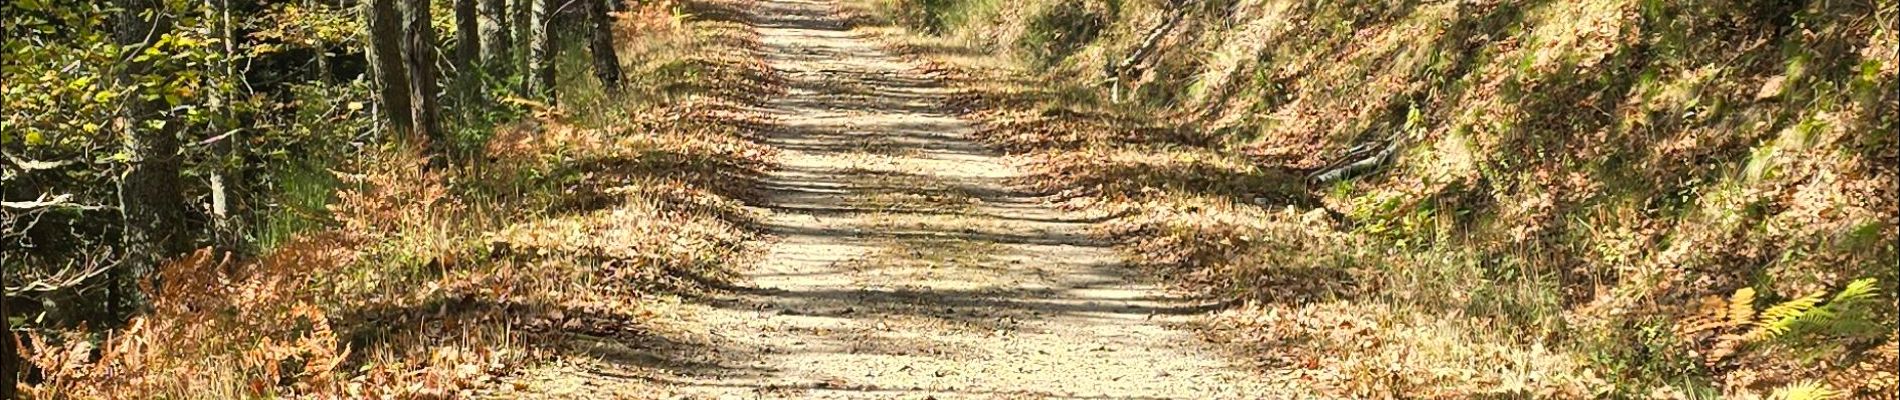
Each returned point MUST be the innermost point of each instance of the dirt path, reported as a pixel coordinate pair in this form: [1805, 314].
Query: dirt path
[903, 264]
[905, 267]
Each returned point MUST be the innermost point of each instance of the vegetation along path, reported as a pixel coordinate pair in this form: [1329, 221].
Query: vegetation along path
[905, 265]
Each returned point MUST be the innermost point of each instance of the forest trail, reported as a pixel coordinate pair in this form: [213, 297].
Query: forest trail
[904, 266]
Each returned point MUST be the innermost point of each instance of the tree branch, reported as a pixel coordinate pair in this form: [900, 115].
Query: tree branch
[60, 201]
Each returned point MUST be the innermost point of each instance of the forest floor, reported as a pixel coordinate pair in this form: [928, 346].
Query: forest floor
[905, 263]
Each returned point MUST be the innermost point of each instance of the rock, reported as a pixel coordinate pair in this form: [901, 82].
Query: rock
[1316, 216]
[1771, 89]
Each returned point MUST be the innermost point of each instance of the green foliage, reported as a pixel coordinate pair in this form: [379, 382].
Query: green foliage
[1805, 390]
[1845, 315]
[284, 26]
[1645, 354]
[61, 92]
[286, 121]
[297, 204]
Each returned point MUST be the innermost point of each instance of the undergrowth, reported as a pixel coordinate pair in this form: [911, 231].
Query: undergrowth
[589, 216]
[1574, 181]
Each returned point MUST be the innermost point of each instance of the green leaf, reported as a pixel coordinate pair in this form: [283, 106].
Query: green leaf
[80, 83]
[1858, 290]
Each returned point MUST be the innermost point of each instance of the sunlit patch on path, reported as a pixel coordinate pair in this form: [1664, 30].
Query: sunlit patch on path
[906, 265]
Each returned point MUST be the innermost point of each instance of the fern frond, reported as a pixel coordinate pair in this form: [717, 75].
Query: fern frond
[1856, 291]
[1780, 318]
[1790, 309]
[1805, 390]
[1725, 346]
[1741, 307]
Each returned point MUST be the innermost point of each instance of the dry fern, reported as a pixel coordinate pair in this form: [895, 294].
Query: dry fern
[1736, 323]
[1741, 309]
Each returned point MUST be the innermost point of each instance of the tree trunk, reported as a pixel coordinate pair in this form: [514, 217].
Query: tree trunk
[383, 47]
[9, 353]
[1353, 166]
[497, 43]
[468, 45]
[321, 57]
[149, 199]
[523, 33]
[540, 49]
[606, 60]
[226, 229]
[418, 52]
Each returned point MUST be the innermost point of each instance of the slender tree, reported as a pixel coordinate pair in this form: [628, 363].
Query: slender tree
[540, 49]
[383, 47]
[601, 42]
[468, 44]
[519, 15]
[225, 226]
[497, 43]
[321, 57]
[149, 198]
[418, 53]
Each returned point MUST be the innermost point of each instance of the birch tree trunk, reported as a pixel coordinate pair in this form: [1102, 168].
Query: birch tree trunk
[540, 49]
[226, 229]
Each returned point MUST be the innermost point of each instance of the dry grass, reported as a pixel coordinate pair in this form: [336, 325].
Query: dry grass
[591, 219]
[1578, 176]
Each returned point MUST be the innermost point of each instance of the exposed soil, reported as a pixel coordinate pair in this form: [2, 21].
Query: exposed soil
[905, 265]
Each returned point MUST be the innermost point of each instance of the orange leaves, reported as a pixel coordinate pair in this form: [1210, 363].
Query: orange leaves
[443, 372]
[308, 357]
[394, 193]
[211, 315]
[65, 368]
[647, 22]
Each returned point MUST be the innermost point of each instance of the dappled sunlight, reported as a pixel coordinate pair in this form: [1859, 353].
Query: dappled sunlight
[1035, 199]
[1565, 177]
